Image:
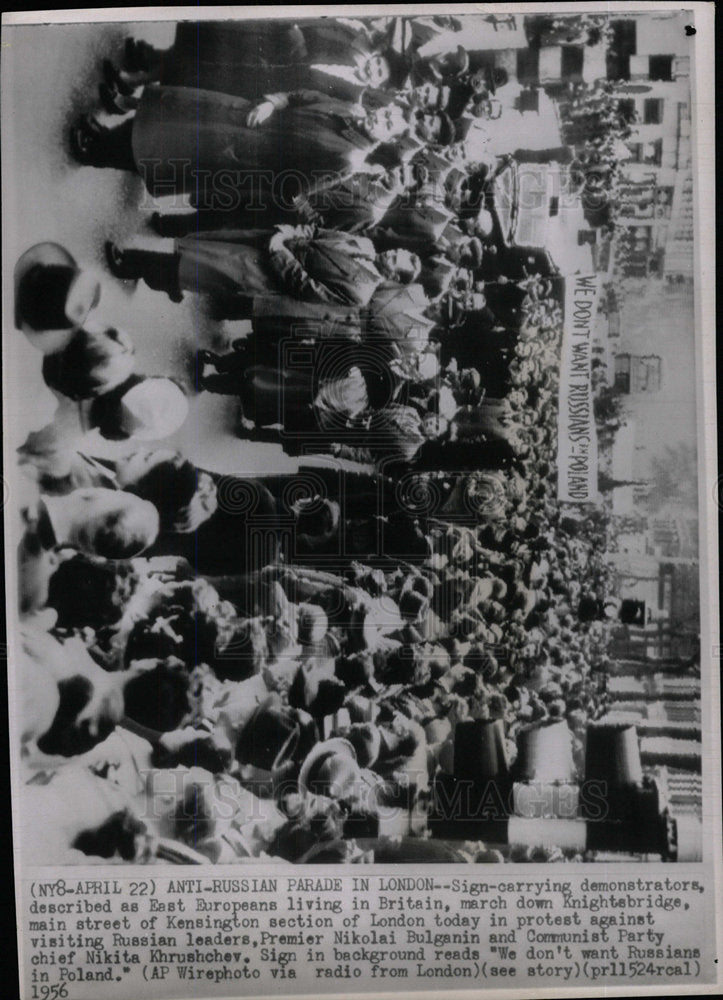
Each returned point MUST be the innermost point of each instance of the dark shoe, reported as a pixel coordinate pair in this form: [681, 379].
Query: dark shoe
[118, 263]
[85, 138]
[155, 222]
[172, 225]
[131, 60]
[138, 56]
[204, 357]
[109, 100]
[114, 80]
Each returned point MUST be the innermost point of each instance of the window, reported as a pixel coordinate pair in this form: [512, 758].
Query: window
[653, 111]
[528, 66]
[572, 62]
[660, 67]
[653, 152]
[622, 373]
[626, 109]
[617, 66]
[624, 38]
[646, 374]
[529, 100]
[636, 373]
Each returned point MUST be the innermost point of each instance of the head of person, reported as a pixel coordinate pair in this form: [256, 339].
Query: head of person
[113, 524]
[470, 380]
[183, 495]
[464, 191]
[53, 296]
[429, 96]
[399, 265]
[94, 361]
[157, 698]
[434, 426]
[450, 64]
[426, 362]
[473, 301]
[396, 180]
[386, 123]
[317, 521]
[483, 226]
[374, 70]
[146, 408]
[462, 282]
[331, 769]
[87, 591]
[434, 127]
[469, 252]
[437, 276]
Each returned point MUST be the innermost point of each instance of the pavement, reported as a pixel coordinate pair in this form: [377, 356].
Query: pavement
[50, 75]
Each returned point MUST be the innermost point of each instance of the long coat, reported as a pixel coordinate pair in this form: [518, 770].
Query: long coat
[237, 539]
[394, 312]
[253, 58]
[280, 317]
[328, 266]
[196, 142]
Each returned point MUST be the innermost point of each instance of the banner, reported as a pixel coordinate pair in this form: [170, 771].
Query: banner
[577, 462]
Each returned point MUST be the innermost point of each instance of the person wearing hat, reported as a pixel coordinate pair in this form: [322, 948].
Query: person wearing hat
[356, 203]
[308, 407]
[333, 56]
[315, 689]
[100, 522]
[92, 362]
[143, 407]
[273, 741]
[468, 447]
[332, 771]
[87, 591]
[236, 267]
[183, 495]
[467, 252]
[208, 519]
[395, 325]
[72, 703]
[313, 831]
[353, 202]
[436, 277]
[402, 762]
[444, 67]
[53, 296]
[389, 438]
[474, 86]
[434, 127]
[428, 96]
[419, 225]
[301, 135]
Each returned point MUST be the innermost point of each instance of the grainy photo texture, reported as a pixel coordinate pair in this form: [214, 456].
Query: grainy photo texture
[352, 446]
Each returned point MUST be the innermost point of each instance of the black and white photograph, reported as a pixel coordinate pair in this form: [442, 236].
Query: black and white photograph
[354, 442]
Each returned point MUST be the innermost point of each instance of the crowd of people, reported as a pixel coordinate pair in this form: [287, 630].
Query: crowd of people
[280, 665]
